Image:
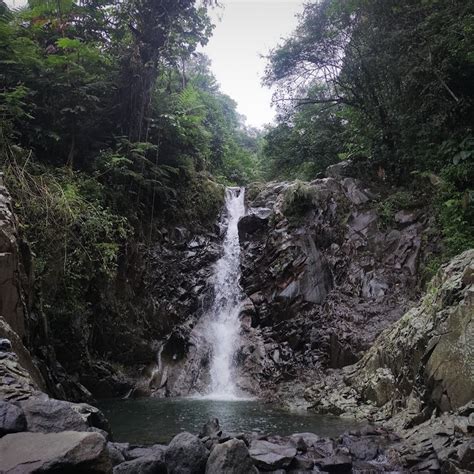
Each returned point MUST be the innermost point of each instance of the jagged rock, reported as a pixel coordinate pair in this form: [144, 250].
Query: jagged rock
[144, 465]
[116, 454]
[301, 463]
[12, 418]
[156, 451]
[342, 169]
[428, 351]
[68, 451]
[466, 456]
[211, 428]
[250, 224]
[269, 456]
[304, 441]
[12, 303]
[5, 345]
[325, 277]
[364, 449]
[18, 366]
[186, 454]
[231, 457]
[338, 464]
[53, 416]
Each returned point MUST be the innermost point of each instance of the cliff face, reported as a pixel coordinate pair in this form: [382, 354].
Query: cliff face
[325, 272]
[14, 276]
[15, 326]
[32, 365]
[423, 364]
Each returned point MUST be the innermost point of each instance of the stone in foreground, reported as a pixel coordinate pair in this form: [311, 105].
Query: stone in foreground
[186, 455]
[144, 465]
[231, 457]
[270, 456]
[12, 418]
[69, 451]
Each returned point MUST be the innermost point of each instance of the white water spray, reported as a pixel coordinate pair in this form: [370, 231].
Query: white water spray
[224, 326]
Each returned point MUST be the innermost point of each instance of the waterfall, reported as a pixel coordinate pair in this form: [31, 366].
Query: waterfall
[223, 319]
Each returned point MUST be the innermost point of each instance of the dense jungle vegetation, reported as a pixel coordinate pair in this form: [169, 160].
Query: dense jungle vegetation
[111, 122]
[390, 84]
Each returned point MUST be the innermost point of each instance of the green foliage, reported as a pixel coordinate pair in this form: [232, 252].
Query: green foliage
[388, 207]
[75, 237]
[388, 81]
[110, 125]
[305, 142]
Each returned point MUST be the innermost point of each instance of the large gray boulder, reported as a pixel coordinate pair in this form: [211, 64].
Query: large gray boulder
[12, 418]
[69, 451]
[270, 456]
[156, 451]
[231, 457]
[144, 465]
[53, 416]
[186, 454]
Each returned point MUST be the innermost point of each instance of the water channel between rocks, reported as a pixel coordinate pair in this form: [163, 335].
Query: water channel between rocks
[153, 420]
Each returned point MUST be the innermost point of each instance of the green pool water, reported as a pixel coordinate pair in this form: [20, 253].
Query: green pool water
[149, 420]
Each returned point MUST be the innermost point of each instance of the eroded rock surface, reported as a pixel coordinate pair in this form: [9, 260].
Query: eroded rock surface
[54, 452]
[324, 275]
[421, 365]
[231, 457]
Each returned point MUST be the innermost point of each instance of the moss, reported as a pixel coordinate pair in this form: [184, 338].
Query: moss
[298, 200]
[254, 189]
[199, 204]
[395, 202]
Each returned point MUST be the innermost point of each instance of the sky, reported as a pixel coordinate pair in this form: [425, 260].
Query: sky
[246, 30]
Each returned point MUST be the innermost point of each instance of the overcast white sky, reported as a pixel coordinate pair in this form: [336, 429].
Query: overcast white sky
[246, 30]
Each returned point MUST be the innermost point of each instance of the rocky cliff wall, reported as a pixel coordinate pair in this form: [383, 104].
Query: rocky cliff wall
[325, 272]
[33, 358]
[420, 366]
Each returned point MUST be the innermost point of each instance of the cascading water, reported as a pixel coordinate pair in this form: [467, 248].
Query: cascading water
[223, 324]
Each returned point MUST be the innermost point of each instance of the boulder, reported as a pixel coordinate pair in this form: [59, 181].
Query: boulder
[339, 170]
[12, 418]
[231, 457]
[69, 451]
[338, 464]
[186, 454]
[304, 441]
[270, 456]
[156, 451]
[53, 416]
[466, 455]
[116, 454]
[210, 429]
[145, 465]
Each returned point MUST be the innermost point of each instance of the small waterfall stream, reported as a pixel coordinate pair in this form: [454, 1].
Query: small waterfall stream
[223, 326]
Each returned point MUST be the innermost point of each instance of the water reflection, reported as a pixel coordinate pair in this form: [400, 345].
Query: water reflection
[149, 420]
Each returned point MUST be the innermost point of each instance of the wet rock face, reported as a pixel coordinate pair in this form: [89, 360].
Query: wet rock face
[324, 274]
[12, 276]
[422, 364]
